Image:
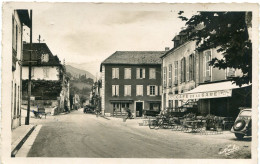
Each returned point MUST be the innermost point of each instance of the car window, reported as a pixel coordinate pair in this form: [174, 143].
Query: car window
[245, 113]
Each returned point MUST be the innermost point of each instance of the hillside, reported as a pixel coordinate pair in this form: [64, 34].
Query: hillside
[75, 72]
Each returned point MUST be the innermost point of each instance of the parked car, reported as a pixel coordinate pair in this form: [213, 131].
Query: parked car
[89, 109]
[243, 124]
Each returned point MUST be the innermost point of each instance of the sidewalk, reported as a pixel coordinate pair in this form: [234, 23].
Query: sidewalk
[19, 136]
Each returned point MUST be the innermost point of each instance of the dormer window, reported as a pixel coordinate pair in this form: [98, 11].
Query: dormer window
[45, 58]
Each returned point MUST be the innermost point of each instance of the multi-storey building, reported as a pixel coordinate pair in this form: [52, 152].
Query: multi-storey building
[131, 79]
[50, 85]
[190, 82]
[20, 18]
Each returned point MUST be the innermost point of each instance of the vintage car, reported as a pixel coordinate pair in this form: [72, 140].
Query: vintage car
[89, 109]
[243, 124]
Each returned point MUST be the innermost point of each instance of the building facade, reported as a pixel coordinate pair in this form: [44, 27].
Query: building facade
[50, 85]
[191, 83]
[131, 79]
[20, 18]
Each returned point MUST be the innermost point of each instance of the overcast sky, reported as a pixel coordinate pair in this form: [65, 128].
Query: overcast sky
[89, 33]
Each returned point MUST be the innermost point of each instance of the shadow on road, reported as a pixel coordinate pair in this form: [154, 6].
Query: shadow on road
[246, 139]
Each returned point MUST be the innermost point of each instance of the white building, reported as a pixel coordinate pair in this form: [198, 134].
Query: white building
[20, 18]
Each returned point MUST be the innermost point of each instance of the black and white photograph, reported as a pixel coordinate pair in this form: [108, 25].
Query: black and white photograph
[129, 82]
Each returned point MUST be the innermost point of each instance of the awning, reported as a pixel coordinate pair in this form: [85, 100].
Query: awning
[154, 101]
[206, 91]
[121, 101]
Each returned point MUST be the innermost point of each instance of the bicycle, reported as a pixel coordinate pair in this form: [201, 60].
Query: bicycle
[159, 122]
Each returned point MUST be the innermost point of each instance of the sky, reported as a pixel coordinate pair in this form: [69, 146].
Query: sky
[85, 34]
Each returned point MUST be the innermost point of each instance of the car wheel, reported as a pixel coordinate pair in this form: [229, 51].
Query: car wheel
[239, 125]
[239, 136]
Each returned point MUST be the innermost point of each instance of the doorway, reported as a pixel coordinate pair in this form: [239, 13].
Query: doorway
[139, 109]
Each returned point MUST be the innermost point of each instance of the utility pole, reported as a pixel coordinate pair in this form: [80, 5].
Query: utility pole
[29, 78]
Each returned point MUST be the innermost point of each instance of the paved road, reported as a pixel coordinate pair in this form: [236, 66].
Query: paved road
[84, 135]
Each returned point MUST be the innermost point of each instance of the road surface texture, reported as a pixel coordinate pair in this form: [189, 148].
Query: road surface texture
[85, 135]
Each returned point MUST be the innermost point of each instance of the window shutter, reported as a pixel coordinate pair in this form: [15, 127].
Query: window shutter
[129, 90]
[129, 73]
[170, 75]
[176, 72]
[113, 73]
[137, 73]
[187, 69]
[156, 90]
[117, 73]
[113, 90]
[117, 90]
[125, 90]
[143, 73]
[160, 90]
[141, 90]
[148, 90]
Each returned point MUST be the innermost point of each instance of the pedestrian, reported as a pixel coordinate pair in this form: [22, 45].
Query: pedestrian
[129, 113]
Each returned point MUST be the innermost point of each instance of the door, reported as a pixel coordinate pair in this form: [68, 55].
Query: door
[139, 109]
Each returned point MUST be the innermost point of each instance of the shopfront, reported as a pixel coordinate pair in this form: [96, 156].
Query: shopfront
[219, 98]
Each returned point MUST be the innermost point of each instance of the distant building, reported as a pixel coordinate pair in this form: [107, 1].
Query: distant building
[131, 79]
[191, 83]
[20, 18]
[50, 85]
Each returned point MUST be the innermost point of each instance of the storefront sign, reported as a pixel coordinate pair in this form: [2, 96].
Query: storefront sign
[32, 98]
[202, 95]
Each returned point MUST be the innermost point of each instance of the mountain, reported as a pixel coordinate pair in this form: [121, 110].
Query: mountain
[92, 67]
[75, 72]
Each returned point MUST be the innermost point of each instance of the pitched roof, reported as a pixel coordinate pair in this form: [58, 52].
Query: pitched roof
[37, 50]
[135, 57]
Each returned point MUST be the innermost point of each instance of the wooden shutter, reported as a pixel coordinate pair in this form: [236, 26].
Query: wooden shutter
[113, 90]
[207, 66]
[156, 90]
[141, 90]
[113, 73]
[117, 73]
[117, 90]
[143, 76]
[125, 90]
[160, 90]
[187, 69]
[176, 72]
[148, 90]
[129, 90]
[137, 73]
[230, 72]
[170, 75]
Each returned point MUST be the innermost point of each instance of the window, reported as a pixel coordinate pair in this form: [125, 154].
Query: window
[176, 72]
[176, 103]
[127, 90]
[160, 90]
[139, 90]
[115, 90]
[230, 72]
[207, 67]
[140, 73]
[152, 73]
[14, 100]
[15, 34]
[170, 75]
[152, 90]
[127, 73]
[115, 73]
[155, 106]
[191, 67]
[183, 70]
[170, 103]
[45, 58]
[164, 77]
[45, 72]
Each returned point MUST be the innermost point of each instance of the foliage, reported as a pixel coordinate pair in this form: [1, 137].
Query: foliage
[228, 33]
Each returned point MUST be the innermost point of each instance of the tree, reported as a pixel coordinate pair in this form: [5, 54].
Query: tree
[228, 33]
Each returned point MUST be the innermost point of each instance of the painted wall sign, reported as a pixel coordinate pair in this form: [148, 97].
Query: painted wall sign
[202, 95]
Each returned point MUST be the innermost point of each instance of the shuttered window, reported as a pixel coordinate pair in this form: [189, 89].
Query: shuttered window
[139, 90]
[127, 73]
[191, 67]
[207, 67]
[152, 90]
[115, 90]
[127, 90]
[164, 77]
[170, 75]
[183, 70]
[140, 73]
[176, 72]
[152, 73]
[115, 73]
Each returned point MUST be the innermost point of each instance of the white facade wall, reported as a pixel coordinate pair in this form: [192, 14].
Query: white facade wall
[38, 73]
[103, 90]
[16, 78]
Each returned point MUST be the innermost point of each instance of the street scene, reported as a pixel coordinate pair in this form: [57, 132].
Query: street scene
[157, 81]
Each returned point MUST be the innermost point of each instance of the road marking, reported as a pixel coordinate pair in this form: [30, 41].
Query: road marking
[23, 152]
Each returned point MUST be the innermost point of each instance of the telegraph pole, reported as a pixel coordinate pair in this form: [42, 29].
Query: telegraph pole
[29, 78]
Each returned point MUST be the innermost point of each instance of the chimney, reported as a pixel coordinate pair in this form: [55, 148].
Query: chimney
[167, 48]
